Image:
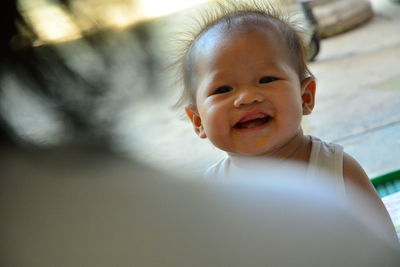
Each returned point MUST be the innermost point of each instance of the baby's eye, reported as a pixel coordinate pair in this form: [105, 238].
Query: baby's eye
[223, 89]
[267, 79]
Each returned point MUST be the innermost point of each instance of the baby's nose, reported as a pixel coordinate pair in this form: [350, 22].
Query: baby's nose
[248, 97]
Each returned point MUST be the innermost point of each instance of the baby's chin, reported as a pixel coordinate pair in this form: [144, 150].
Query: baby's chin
[252, 148]
[248, 152]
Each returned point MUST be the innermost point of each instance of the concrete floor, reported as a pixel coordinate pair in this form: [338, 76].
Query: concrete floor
[358, 105]
[358, 93]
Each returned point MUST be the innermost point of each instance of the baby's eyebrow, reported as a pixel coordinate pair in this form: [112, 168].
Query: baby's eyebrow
[271, 63]
[211, 80]
[263, 66]
[217, 75]
[221, 75]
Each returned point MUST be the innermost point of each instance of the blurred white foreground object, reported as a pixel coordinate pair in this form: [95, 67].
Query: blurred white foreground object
[87, 208]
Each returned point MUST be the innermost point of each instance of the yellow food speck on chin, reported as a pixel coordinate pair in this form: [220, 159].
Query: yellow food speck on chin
[261, 141]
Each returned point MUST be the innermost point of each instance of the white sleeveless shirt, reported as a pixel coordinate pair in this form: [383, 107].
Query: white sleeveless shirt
[325, 165]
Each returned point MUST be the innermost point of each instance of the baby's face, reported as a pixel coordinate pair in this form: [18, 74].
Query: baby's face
[249, 96]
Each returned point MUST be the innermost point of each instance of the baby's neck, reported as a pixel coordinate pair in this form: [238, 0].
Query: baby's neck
[298, 149]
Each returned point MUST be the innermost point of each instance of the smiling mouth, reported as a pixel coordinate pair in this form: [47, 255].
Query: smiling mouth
[252, 123]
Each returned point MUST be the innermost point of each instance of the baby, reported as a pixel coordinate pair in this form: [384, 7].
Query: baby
[246, 88]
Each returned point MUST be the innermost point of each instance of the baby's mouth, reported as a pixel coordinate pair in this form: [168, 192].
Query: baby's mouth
[252, 121]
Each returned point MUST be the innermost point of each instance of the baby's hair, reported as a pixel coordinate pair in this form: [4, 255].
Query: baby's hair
[225, 12]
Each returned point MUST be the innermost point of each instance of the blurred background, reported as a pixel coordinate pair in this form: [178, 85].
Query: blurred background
[96, 71]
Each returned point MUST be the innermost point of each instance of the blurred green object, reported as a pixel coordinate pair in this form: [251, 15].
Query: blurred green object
[389, 183]
[396, 1]
[388, 188]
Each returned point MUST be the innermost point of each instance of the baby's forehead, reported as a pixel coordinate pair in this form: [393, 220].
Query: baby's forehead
[227, 30]
[234, 27]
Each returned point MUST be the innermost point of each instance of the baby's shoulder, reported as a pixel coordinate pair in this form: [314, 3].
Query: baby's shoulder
[326, 155]
[324, 146]
[218, 169]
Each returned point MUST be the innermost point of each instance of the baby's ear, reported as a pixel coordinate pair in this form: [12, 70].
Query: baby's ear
[308, 88]
[193, 114]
